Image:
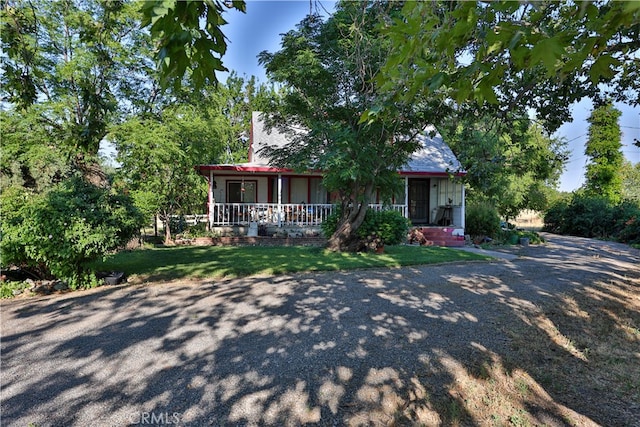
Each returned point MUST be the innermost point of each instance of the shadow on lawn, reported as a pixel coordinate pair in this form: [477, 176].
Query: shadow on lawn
[217, 262]
[443, 345]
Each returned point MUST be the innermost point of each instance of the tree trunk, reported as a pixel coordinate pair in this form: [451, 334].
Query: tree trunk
[167, 229]
[91, 171]
[345, 238]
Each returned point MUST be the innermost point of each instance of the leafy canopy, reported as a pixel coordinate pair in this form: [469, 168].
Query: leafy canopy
[512, 166]
[538, 55]
[327, 69]
[188, 37]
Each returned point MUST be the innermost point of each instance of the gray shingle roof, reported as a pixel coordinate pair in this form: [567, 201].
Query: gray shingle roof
[435, 156]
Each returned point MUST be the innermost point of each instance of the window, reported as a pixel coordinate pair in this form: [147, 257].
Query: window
[242, 191]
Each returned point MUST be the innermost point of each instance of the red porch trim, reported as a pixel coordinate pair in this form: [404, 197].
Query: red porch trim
[269, 169]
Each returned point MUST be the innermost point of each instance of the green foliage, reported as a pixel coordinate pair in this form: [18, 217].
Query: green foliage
[327, 69]
[7, 288]
[178, 224]
[197, 230]
[627, 221]
[513, 236]
[603, 176]
[482, 219]
[29, 159]
[57, 233]
[509, 54]
[182, 43]
[84, 60]
[182, 262]
[389, 226]
[512, 165]
[589, 216]
[630, 181]
[158, 155]
[555, 218]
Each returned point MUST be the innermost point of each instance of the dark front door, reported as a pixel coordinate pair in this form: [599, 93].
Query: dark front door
[419, 201]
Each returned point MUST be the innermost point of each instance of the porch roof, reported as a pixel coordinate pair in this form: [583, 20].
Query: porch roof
[252, 168]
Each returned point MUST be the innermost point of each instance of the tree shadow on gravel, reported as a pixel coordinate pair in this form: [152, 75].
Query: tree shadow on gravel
[484, 344]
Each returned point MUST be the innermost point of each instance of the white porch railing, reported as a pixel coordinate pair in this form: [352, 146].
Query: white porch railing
[221, 214]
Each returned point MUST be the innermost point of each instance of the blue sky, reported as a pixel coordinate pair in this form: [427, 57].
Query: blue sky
[260, 29]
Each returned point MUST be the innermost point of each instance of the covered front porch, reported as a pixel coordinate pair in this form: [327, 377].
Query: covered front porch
[239, 195]
[279, 215]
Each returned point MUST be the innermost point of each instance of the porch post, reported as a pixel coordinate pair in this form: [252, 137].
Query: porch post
[210, 200]
[462, 213]
[406, 197]
[279, 200]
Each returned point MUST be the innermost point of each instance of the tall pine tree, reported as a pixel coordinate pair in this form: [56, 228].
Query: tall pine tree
[603, 176]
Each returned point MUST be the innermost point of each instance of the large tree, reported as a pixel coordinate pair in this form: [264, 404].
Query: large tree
[328, 69]
[157, 154]
[157, 151]
[603, 147]
[512, 167]
[537, 55]
[73, 67]
[631, 181]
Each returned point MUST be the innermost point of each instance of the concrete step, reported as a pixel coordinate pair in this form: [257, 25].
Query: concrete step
[442, 236]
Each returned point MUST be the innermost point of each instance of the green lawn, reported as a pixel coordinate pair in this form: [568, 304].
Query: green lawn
[219, 261]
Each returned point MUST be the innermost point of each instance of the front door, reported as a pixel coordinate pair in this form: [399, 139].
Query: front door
[419, 201]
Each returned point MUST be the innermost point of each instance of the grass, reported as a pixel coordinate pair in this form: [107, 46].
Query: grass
[227, 261]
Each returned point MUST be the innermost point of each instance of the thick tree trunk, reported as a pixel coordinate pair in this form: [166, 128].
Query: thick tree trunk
[91, 171]
[345, 238]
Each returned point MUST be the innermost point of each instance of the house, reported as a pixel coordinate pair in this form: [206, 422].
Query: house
[256, 193]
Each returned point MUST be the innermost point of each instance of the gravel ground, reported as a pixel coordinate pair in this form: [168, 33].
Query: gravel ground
[341, 348]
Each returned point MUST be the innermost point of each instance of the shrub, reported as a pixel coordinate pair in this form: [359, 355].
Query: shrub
[389, 226]
[589, 216]
[482, 220]
[627, 222]
[555, 220]
[57, 233]
[177, 224]
[513, 237]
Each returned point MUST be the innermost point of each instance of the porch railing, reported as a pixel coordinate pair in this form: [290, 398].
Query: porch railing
[299, 214]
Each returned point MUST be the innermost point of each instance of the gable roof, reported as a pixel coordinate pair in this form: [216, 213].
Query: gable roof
[435, 158]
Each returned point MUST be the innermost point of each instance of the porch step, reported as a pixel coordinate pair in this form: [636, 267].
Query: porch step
[442, 236]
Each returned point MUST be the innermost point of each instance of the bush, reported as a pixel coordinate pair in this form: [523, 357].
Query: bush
[57, 233]
[390, 227]
[588, 216]
[513, 237]
[482, 220]
[627, 222]
[555, 220]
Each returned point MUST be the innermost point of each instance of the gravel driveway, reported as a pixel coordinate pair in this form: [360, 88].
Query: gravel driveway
[342, 348]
